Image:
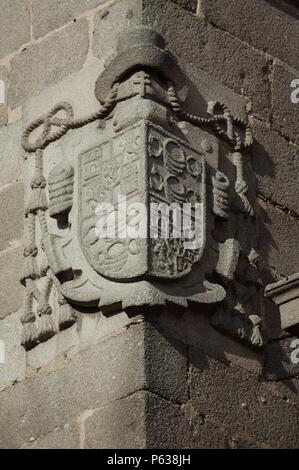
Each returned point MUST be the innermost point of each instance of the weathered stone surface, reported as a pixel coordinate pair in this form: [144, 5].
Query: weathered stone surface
[94, 378]
[3, 105]
[11, 154]
[45, 355]
[15, 25]
[285, 113]
[287, 389]
[142, 420]
[262, 31]
[227, 59]
[190, 5]
[14, 366]
[285, 294]
[224, 57]
[11, 292]
[230, 396]
[48, 16]
[278, 239]
[45, 63]
[275, 162]
[278, 360]
[119, 425]
[114, 368]
[167, 425]
[11, 214]
[169, 379]
[65, 437]
[114, 18]
[194, 329]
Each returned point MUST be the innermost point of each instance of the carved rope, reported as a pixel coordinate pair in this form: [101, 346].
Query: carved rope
[41, 327]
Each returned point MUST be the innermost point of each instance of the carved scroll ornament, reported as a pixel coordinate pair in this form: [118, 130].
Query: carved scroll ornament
[145, 157]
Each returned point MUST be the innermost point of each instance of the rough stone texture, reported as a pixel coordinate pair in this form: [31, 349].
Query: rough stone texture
[278, 364]
[3, 106]
[285, 113]
[119, 425]
[258, 23]
[11, 154]
[142, 420]
[11, 214]
[70, 394]
[66, 437]
[190, 5]
[170, 355]
[15, 25]
[226, 58]
[278, 239]
[232, 397]
[114, 383]
[15, 358]
[49, 15]
[287, 389]
[275, 162]
[11, 292]
[102, 367]
[45, 63]
[194, 329]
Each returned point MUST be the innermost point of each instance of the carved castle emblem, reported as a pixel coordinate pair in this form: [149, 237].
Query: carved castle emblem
[141, 217]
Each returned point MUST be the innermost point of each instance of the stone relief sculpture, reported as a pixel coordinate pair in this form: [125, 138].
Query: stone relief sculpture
[145, 157]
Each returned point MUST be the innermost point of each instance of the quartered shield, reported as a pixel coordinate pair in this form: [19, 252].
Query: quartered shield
[142, 205]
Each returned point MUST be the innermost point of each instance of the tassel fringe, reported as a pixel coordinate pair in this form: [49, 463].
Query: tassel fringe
[66, 316]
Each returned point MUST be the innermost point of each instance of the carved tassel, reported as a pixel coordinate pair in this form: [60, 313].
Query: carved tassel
[30, 268]
[29, 333]
[47, 328]
[66, 315]
[256, 337]
[38, 201]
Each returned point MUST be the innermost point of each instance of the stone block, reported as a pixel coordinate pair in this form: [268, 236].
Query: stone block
[14, 366]
[115, 17]
[227, 59]
[65, 437]
[167, 426]
[3, 95]
[278, 239]
[119, 425]
[278, 362]
[11, 214]
[142, 420]
[11, 155]
[263, 31]
[102, 374]
[285, 112]
[275, 162]
[287, 389]
[194, 329]
[165, 364]
[239, 401]
[46, 62]
[98, 376]
[190, 5]
[11, 292]
[15, 26]
[49, 15]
